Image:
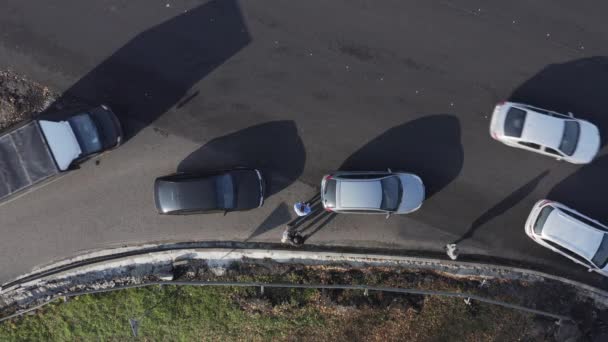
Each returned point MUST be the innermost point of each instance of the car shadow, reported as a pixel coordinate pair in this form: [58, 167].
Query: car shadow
[430, 147]
[577, 86]
[503, 206]
[155, 70]
[583, 192]
[275, 148]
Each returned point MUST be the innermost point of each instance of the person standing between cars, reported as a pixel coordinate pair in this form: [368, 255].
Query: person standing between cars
[292, 236]
[302, 209]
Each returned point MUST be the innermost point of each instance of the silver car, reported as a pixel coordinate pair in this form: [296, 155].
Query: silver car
[369, 192]
[569, 233]
[561, 136]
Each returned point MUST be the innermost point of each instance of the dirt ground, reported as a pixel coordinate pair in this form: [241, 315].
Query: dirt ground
[20, 98]
[551, 296]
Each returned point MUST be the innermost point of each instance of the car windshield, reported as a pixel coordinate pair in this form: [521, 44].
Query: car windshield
[86, 133]
[224, 192]
[570, 137]
[514, 122]
[600, 259]
[542, 218]
[391, 193]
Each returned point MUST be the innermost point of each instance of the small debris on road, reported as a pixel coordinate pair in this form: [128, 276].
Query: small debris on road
[451, 251]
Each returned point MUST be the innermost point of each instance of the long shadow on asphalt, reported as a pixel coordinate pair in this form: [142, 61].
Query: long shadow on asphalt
[585, 190]
[429, 147]
[275, 148]
[310, 224]
[503, 206]
[155, 70]
[277, 218]
[578, 86]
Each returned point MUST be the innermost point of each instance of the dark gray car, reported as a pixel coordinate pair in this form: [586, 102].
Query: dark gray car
[208, 192]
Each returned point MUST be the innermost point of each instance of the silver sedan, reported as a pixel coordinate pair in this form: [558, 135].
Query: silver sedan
[361, 192]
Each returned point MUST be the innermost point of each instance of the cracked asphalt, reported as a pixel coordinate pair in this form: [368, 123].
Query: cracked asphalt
[300, 89]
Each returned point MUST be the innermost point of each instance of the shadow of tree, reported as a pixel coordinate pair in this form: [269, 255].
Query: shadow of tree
[503, 206]
[274, 147]
[429, 147]
[156, 69]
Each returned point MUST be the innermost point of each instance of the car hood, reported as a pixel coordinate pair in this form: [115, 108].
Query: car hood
[248, 189]
[108, 125]
[589, 143]
[413, 193]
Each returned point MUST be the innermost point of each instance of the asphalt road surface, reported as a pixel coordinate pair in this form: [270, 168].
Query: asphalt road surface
[302, 88]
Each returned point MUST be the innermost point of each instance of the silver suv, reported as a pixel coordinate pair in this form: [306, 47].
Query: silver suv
[371, 192]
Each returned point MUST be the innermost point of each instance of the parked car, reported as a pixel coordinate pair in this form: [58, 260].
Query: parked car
[569, 233]
[37, 150]
[384, 192]
[561, 136]
[208, 192]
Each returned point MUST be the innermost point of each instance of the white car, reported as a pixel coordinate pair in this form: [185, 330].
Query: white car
[546, 132]
[569, 233]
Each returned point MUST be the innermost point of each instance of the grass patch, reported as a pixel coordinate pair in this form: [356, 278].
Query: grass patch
[187, 313]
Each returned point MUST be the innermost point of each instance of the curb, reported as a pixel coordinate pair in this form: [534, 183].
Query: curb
[121, 257]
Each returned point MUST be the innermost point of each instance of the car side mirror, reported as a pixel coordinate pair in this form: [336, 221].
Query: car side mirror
[590, 270]
[388, 215]
[570, 114]
[558, 158]
[225, 212]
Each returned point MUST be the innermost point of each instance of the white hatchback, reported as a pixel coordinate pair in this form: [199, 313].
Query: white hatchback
[569, 233]
[546, 132]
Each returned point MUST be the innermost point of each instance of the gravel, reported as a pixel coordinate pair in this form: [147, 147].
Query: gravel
[21, 99]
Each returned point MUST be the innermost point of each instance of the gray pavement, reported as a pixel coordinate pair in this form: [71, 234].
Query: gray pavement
[300, 89]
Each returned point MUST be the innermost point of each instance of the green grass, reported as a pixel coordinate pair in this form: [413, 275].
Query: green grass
[190, 313]
[164, 313]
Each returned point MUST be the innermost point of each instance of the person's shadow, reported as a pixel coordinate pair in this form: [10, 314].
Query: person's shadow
[577, 86]
[155, 70]
[429, 147]
[503, 206]
[275, 148]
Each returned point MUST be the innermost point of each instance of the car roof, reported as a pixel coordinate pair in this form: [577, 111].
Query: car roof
[185, 194]
[359, 193]
[572, 234]
[542, 129]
